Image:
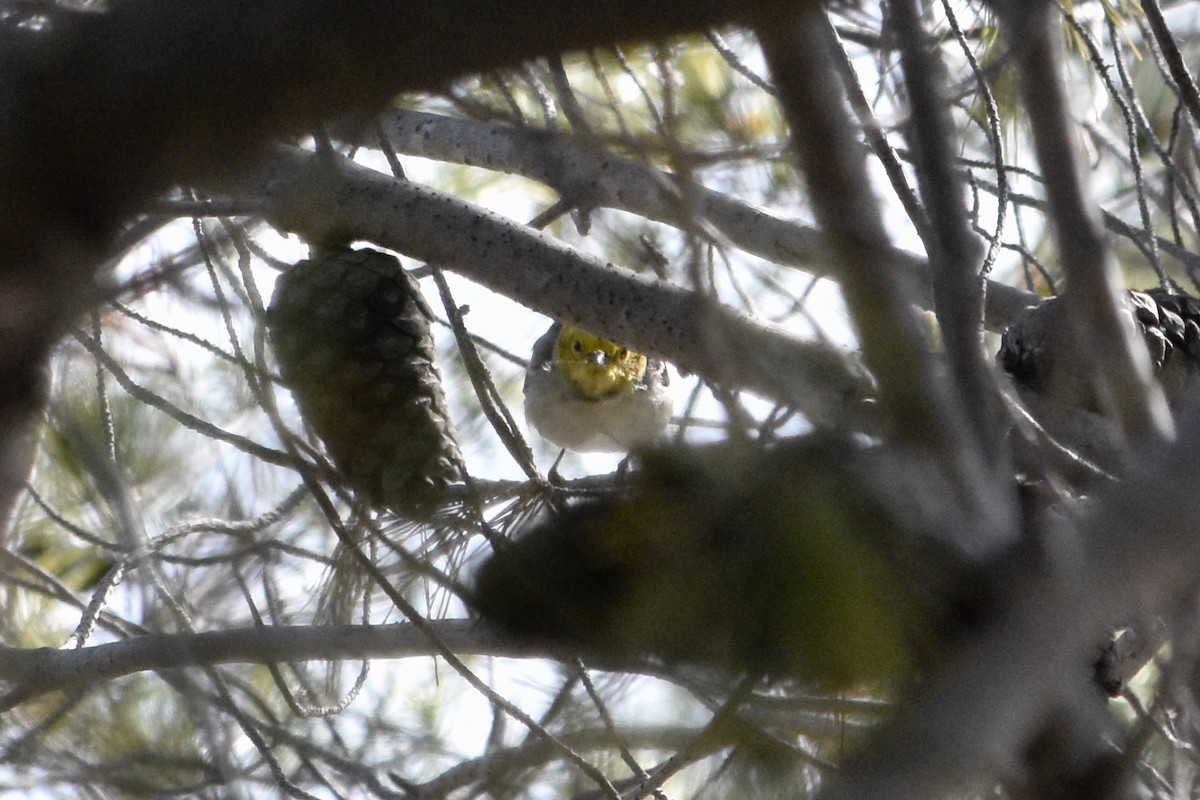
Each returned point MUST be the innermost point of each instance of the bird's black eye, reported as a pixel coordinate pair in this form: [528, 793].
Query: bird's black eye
[622, 353]
[577, 345]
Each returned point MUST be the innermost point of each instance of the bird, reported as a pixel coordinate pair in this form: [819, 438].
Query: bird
[588, 394]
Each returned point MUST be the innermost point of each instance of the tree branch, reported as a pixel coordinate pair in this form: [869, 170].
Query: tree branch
[834, 164]
[582, 174]
[1137, 549]
[1098, 320]
[102, 111]
[915, 397]
[697, 334]
[106, 109]
[32, 673]
[954, 252]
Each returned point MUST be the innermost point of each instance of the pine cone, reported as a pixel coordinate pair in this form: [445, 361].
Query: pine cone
[1035, 349]
[351, 332]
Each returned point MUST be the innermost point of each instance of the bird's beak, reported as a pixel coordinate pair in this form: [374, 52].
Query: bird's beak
[598, 357]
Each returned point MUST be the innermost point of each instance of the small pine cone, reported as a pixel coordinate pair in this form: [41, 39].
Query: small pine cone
[1032, 350]
[350, 330]
[1170, 324]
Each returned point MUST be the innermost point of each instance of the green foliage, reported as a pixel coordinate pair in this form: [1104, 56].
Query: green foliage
[784, 563]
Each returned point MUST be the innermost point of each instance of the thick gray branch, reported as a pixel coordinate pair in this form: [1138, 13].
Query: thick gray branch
[30, 673]
[105, 109]
[714, 341]
[1093, 305]
[590, 177]
[834, 165]
[954, 251]
[916, 398]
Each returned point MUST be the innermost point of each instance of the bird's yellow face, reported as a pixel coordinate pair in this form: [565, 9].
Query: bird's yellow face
[596, 367]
